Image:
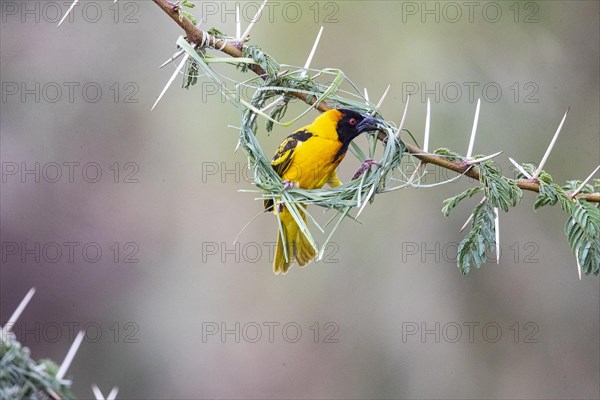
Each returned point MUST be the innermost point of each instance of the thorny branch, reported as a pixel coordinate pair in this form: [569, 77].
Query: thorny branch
[195, 35]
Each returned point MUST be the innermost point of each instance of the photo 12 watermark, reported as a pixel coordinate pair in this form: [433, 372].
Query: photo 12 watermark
[52, 12]
[53, 332]
[27, 172]
[269, 332]
[447, 253]
[470, 91]
[68, 252]
[255, 252]
[228, 172]
[53, 92]
[290, 12]
[470, 332]
[452, 12]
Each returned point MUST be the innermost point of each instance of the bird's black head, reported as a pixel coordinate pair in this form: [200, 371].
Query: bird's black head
[352, 123]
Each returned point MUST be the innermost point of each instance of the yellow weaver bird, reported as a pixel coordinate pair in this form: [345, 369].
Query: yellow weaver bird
[307, 159]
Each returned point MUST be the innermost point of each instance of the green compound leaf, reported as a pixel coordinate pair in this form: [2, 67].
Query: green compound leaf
[188, 15]
[583, 233]
[583, 226]
[477, 244]
[452, 202]
[529, 168]
[267, 63]
[192, 71]
[573, 185]
[550, 194]
[502, 192]
[216, 33]
[450, 155]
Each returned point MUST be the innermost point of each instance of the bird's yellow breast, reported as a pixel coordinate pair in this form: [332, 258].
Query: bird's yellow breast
[313, 162]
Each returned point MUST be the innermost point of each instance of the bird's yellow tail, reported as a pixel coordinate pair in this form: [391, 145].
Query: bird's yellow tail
[297, 245]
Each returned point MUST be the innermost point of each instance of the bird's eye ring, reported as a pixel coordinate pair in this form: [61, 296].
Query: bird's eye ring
[352, 121]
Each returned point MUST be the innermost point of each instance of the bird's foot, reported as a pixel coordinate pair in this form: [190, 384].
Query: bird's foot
[288, 185]
[366, 165]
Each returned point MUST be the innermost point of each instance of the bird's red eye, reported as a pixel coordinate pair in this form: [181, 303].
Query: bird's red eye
[352, 121]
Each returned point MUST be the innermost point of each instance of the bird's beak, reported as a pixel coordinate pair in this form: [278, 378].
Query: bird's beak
[368, 124]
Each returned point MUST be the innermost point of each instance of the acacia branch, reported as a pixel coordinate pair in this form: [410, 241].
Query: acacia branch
[195, 35]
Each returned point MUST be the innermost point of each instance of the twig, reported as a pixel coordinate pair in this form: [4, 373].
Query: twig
[194, 35]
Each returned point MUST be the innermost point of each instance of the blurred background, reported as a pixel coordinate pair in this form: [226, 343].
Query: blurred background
[124, 219]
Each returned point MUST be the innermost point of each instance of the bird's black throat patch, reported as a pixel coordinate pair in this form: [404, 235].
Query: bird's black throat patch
[346, 130]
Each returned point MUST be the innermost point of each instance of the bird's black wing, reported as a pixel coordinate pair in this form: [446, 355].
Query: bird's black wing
[284, 156]
[285, 153]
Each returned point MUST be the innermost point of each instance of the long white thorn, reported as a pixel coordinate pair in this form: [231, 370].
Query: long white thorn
[365, 201]
[471, 216]
[414, 174]
[52, 393]
[482, 159]
[238, 22]
[366, 95]
[550, 146]
[113, 393]
[466, 223]
[253, 21]
[16, 314]
[578, 268]
[171, 79]
[312, 53]
[173, 58]
[271, 105]
[427, 125]
[68, 12]
[97, 393]
[380, 102]
[497, 229]
[521, 169]
[580, 188]
[578, 264]
[403, 120]
[70, 356]
[99, 396]
[474, 130]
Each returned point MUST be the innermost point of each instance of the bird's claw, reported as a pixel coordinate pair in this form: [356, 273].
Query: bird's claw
[366, 165]
[288, 185]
